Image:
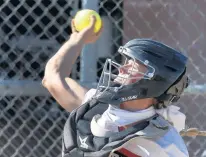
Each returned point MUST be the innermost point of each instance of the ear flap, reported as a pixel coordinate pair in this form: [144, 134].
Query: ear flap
[173, 93]
[178, 88]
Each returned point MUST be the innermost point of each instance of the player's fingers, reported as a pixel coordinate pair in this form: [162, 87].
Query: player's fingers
[90, 28]
[92, 23]
[73, 27]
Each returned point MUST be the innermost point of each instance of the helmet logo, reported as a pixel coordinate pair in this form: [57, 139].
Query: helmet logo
[129, 98]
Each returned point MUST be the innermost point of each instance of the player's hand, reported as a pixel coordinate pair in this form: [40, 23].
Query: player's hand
[87, 35]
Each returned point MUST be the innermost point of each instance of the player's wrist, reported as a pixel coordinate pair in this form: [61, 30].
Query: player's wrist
[75, 41]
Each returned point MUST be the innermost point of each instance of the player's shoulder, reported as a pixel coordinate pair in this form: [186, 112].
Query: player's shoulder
[159, 138]
[173, 143]
[140, 147]
[145, 147]
[166, 136]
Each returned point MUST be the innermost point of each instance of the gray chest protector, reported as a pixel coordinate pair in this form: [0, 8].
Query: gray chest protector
[78, 140]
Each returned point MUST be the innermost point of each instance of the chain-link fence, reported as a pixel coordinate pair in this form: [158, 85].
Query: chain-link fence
[32, 30]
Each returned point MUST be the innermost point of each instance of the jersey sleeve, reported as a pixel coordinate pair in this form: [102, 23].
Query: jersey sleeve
[89, 95]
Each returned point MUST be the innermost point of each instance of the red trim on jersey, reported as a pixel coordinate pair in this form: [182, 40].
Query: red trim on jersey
[121, 128]
[127, 153]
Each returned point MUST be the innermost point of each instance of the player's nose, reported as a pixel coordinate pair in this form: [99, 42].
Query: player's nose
[124, 69]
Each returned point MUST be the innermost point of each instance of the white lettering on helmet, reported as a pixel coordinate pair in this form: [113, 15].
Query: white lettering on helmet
[129, 98]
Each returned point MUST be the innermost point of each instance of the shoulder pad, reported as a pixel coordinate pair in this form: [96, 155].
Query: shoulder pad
[157, 128]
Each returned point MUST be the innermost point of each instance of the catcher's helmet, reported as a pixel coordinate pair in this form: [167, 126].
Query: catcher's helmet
[165, 69]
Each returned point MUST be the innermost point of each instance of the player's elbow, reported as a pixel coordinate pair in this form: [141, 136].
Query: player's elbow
[64, 96]
[49, 84]
[43, 82]
[49, 75]
[46, 82]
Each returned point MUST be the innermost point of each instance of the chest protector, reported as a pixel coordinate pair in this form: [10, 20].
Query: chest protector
[78, 140]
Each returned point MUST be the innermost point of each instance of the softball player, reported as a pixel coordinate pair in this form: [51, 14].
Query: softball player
[128, 114]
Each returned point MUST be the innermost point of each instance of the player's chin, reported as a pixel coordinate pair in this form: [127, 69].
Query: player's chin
[121, 81]
[118, 80]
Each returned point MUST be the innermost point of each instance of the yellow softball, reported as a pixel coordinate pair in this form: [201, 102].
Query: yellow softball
[82, 19]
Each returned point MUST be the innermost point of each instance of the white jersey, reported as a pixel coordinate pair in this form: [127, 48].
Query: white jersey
[171, 143]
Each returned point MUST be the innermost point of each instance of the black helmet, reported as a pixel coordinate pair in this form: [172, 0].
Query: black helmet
[165, 69]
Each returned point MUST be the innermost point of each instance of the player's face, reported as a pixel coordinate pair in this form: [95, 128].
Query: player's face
[131, 72]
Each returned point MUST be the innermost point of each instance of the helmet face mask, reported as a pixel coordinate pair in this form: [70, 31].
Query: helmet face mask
[130, 72]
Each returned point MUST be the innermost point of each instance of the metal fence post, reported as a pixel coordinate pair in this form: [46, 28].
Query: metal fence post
[88, 73]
